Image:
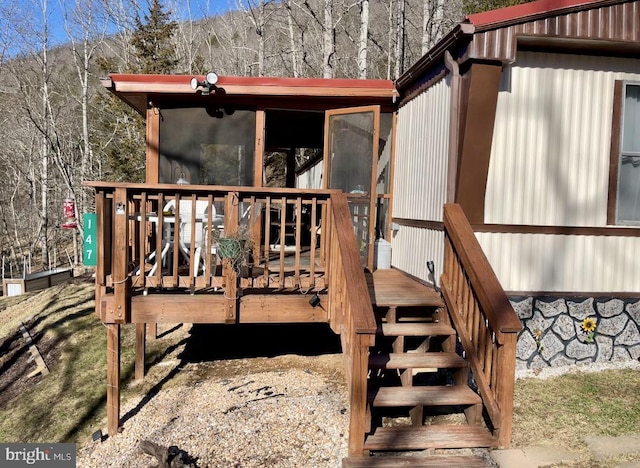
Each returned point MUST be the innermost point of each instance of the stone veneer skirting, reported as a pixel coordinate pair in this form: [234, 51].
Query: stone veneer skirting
[552, 335]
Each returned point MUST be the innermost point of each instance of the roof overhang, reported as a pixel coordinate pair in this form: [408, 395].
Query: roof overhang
[139, 90]
[495, 35]
[532, 11]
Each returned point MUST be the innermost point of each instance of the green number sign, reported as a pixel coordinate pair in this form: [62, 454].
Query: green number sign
[90, 241]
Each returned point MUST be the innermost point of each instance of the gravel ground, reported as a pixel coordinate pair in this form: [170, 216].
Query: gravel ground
[283, 411]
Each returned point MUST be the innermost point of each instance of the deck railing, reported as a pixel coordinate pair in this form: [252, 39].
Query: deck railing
[158, 237]
[484, 319]
[351, 315]
[302, 240]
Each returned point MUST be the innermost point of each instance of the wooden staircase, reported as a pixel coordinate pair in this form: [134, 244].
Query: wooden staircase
[416, 381]
[409, 351]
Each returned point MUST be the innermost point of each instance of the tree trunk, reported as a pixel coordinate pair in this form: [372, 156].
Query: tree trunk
[329, 44]
[295, 63]
[400, 38]
[364, 35]
[44, 168]
[432, 18]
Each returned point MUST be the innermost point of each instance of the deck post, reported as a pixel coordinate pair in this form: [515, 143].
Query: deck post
[113, 378]
[507, 360]
[231, 217]
[121, 311]
[141, 337]
[358, 393]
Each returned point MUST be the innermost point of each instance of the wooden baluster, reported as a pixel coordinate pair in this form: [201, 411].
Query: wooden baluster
[159, 240]
[254, 232]
[298, 243]
[208, 242]
[283, 219]
[325, 239]
[312, 252]
[176, 239]
[193, 262]
[232, 206]
[267, 239]
[482, 340]
[142, 240]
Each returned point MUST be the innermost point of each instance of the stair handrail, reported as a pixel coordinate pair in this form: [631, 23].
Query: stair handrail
[483, 317]
[350, 314]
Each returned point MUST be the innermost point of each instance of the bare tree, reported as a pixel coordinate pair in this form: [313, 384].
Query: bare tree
[121, 14]
[259, 13]
[85, 28]
[364, 36]
[294, 46]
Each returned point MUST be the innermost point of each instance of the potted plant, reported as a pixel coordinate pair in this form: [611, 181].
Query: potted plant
[235, 246]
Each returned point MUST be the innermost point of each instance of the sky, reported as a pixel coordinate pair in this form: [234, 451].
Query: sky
[27, 15]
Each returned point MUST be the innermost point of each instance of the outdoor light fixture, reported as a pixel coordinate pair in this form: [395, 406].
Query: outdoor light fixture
[209, 82]
[315, 300]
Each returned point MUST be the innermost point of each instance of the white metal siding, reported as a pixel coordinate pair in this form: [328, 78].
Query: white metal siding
[421, 155]
[413, 247]
[551, 143]
[311, 178]
[544, 262]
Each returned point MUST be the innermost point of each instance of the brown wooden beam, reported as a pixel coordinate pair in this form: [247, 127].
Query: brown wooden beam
[259, 149]
[119, 313]
[152, 164]
[113, 378]
[211, 308]
[270, 308]
[480, 97]
[614, 151]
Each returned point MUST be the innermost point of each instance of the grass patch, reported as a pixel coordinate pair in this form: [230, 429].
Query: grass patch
[564, 409]
[70, 402]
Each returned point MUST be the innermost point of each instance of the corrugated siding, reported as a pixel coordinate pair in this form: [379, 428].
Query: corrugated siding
[311, 178]
[412, 248]
[551, 143]
[619, 22]
[421, 155]
[542, 262]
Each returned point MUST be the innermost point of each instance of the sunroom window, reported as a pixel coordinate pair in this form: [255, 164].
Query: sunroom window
[628, 191]
[208, 146]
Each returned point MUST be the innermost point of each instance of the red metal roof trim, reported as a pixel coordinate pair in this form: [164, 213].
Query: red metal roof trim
[254, 81]
[524, 11]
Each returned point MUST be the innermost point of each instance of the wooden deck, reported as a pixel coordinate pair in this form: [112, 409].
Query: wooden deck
[393, 288]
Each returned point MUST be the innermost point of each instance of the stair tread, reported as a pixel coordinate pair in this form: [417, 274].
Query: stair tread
[422, 360]
[417, 329]
[427, 396]
[425, 437]
[387, 461]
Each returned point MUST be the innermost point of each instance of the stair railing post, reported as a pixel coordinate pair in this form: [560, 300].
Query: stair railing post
[506, 388]
[358, 393]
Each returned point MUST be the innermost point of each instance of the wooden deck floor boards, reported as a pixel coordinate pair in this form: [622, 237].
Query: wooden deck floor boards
[391, 287]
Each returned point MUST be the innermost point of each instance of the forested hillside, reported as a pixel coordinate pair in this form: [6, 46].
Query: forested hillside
[60, 128]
